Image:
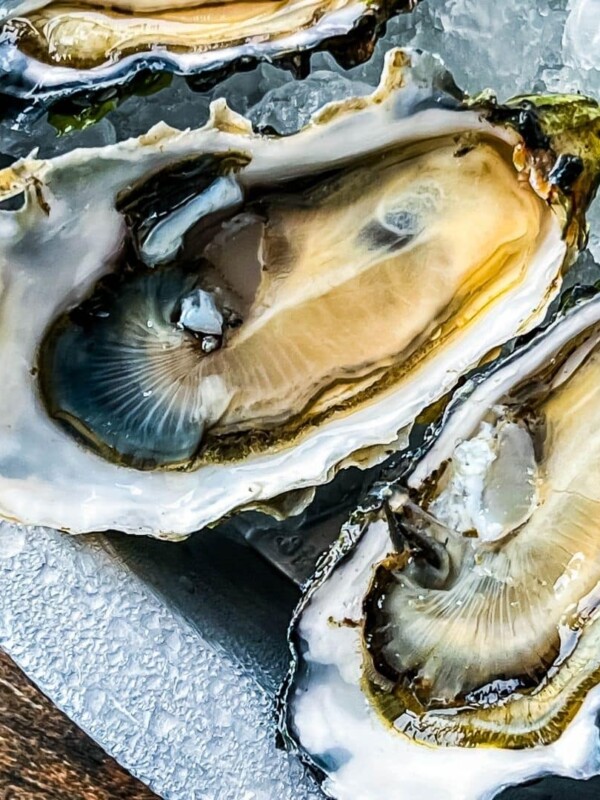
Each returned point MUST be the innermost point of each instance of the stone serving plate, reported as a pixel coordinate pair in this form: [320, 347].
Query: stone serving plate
[168, 655]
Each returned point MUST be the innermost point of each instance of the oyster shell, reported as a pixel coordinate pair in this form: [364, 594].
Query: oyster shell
[51, 46]
[462, 603]
[197, 322]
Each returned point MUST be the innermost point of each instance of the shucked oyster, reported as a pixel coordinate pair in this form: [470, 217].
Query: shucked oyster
[68, 46]
[465, 608]
[198, 322]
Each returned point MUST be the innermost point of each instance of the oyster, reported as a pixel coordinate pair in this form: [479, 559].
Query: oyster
[198, 322]
[50, 46]
[463, 602]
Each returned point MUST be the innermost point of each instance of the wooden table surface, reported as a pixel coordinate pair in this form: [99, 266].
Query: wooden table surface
[44, 756]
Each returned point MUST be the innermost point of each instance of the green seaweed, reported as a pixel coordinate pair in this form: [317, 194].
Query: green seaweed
[68, 115]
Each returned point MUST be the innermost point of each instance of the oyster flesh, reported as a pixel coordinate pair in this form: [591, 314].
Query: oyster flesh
[50, 46]
[198, 322]
[463, 604]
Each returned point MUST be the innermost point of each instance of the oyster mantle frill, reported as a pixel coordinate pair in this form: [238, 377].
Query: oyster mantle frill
[51, 48]
[454, 626]
[197, 322]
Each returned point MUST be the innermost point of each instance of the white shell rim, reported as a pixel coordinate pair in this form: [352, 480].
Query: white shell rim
[175, 504]
[37, 79]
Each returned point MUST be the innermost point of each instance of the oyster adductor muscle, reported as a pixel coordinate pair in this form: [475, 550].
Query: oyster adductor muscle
[53, 48]
[472, 588]
[197, 322]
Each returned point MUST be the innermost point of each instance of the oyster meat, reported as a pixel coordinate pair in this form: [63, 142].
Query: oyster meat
[451, 637]
[67, 47]
[198, 322]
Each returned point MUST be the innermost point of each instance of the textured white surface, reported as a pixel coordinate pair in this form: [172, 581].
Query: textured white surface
[187, 715]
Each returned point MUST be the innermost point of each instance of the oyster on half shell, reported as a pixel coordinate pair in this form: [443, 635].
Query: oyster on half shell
[452, 637]
[197, 322]
[53, 46]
